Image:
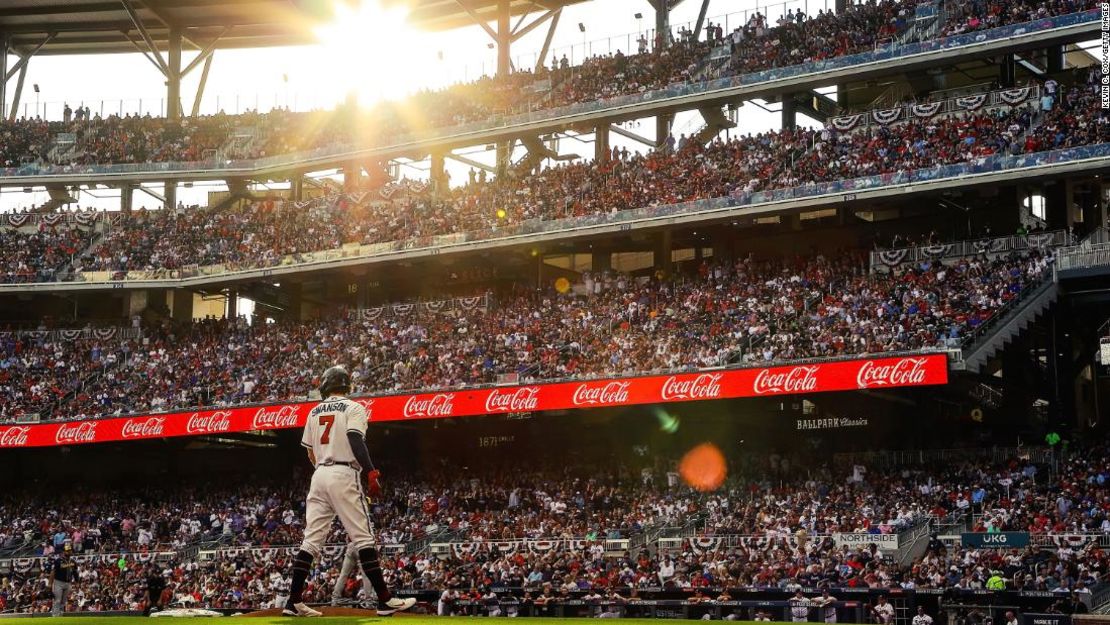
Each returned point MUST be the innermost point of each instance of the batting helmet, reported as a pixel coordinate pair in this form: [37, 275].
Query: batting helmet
[335, 379]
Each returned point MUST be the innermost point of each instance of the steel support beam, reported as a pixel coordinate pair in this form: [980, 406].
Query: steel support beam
[173, 76]
[477, 20]
[134, 15]
[789, 111]
[628, 134]
[601, 143]
[469, 161]
[25, 58]
[126, 197]
[662, 22]
[663, 123]
[542, 58]
[504, 38]
[701, 19]
[170, 191]
[3, 75]
[18, 92]
[145, 53]
[202, 83]
[518, 33]
[152, 194]
[205, 53]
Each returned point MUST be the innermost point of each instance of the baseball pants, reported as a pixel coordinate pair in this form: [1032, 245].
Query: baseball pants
[336, 490]
[61, 592]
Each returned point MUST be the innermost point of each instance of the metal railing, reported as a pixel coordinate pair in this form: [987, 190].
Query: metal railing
[1083, 257]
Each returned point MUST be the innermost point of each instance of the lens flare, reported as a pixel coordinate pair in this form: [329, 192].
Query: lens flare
[703, 467]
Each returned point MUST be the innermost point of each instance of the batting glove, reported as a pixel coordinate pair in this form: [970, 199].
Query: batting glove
[373, 486]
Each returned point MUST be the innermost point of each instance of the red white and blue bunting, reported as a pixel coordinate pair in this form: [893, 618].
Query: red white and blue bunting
[886, 117]
[460, 304]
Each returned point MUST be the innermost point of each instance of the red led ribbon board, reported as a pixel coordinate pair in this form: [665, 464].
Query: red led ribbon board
[844, 375]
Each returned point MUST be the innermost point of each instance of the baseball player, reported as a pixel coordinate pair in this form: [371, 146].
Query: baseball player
[335, 437]
[799, 607]
[350, 561]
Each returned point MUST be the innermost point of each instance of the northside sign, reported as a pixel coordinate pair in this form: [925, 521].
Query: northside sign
[843, 375]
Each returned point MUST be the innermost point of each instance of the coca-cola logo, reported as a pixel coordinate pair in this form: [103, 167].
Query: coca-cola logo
[704, 386]
[219, 421]
[422, 406]
[523, 399]
[904, 372]
[284, 417]
[82, 432]
[15, 436]
[143, 428]
[592, 395]
[795, 380]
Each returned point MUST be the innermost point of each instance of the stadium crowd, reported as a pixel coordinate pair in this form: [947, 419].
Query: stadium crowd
[760, 43]
[609, 324]
[263, 233]
[41, 253]
[777, 517]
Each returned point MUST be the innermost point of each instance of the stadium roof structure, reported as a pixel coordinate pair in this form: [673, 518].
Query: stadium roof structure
[162, 29]
[449, 14]
[108, 26]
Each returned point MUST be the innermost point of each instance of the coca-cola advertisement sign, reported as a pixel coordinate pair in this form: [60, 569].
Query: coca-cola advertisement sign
[794, 380]
[275, 419]
[901, 372]
[425, 406]
[80, 432]
[210, 423]
[603, 394]
[522, 399]
[150, 427]
[15, 436]
[829, 376]
[704, 386]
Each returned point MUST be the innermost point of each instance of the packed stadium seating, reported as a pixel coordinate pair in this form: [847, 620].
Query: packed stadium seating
[756, 45]
[782, 516]
[726, 313]
[264, 233]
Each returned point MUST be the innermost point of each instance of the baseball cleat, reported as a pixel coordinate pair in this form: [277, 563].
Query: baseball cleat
[299, 609]
[395, 605]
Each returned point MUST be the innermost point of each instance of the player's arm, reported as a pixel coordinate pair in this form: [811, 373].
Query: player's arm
[311, 456]
[356, 436]
[360, 451]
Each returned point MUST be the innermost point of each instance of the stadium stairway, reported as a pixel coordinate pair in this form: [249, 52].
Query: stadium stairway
[994, 338]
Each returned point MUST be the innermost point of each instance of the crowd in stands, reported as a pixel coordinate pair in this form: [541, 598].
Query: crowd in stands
[761, 43]
[609, 324]
[783, 515]
[38, 254]
[262, 233]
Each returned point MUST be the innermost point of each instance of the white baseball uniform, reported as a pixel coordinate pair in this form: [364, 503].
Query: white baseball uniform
[336, 488]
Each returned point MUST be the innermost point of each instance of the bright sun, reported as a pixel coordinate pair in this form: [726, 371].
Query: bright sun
[371, 51]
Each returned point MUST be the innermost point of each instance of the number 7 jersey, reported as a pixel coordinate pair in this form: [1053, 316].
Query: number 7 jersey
[325, 432]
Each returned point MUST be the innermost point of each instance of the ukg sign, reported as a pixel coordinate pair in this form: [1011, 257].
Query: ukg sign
[844, 375]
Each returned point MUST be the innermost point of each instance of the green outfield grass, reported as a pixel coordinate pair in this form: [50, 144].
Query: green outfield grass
[329, 620]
